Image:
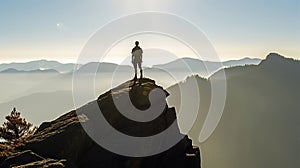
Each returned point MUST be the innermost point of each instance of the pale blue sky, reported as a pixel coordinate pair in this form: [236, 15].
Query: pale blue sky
[58, 29]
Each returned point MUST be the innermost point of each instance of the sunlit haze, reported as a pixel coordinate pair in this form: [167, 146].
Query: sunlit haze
[58, 30]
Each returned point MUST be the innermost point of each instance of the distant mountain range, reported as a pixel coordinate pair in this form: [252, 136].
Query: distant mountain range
[182, 64]
[21, 79]
[103, 67]
[39, 65]
[12, 70]
[261, 116]
[204, 67]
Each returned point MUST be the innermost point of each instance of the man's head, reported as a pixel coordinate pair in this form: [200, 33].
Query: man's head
[136, 43]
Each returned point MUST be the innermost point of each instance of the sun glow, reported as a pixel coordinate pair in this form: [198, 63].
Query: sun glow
[142, 5]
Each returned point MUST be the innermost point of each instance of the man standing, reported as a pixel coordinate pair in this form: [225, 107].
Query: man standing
[137, 59]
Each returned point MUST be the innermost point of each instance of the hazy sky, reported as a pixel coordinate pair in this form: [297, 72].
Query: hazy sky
[58, 29]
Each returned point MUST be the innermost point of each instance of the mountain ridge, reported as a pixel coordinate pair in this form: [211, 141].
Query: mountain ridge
[12, 70]
[38, 64]
[261, 115]
[68, 67]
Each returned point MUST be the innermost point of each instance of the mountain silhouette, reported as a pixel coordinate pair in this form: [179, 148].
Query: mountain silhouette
[260, 123]
[204, 68]
[39, 64]
[12, 70]
[103, 67]
[196, 64]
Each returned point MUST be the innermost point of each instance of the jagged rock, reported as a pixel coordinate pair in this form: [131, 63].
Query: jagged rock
[65, 138]
[47, 163]
[43, 126]
[21, 158]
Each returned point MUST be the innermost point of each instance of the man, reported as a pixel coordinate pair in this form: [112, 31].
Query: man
[137, 59]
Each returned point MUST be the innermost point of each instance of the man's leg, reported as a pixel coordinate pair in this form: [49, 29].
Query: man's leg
[135, 69]
[141, 70]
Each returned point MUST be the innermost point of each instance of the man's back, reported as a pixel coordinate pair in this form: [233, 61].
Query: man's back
[137, 51]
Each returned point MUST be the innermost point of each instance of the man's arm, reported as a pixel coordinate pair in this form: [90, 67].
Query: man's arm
[132, 57]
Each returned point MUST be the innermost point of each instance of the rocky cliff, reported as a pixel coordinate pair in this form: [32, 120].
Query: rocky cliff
[68, 141]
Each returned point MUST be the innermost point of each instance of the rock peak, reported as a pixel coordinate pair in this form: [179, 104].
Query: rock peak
[275, 59]
[274, 56]
[138, 91]
[69, 136]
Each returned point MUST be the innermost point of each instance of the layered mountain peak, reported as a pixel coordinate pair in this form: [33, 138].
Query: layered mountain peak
[277, 58]
[277, 61]
[274, 57]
